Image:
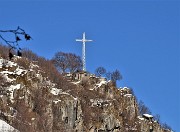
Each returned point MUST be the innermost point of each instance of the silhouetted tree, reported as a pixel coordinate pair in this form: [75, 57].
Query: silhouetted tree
[74, 62]
[100, 71]
[108, 75]
[116, 75]
[67, 62]
[60, 60]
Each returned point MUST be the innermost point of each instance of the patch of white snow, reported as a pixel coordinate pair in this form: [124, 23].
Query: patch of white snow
[56, 101]
[76, 82]
[56, 91]
[101, 83]
[12, 88]
[128, 95]
[19, 71]
[148, 115]
[5, 127]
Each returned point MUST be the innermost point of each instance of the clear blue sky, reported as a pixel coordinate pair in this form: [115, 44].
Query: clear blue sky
[140, 38]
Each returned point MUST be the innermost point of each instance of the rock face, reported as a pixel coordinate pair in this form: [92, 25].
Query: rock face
[30, 102]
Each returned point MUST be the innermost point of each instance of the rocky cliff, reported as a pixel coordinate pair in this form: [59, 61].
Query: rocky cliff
[31, 102]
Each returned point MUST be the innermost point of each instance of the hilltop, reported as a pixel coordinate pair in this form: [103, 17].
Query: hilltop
[35, 97]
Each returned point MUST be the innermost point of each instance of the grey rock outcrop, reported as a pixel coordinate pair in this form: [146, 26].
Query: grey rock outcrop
[31, 102]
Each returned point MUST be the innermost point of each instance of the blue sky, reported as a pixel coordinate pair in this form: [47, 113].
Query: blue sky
[140, 38]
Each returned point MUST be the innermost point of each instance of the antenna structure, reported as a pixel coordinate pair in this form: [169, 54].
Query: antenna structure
[84, 40]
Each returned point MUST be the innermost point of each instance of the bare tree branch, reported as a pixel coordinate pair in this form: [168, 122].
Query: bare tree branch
[17, 33]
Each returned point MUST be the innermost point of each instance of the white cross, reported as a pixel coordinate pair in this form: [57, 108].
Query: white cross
[84, 40]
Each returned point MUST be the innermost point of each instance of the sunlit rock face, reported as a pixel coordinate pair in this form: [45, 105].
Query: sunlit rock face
[31, 102]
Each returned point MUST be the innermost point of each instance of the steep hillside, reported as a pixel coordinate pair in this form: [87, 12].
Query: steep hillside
[32, 101]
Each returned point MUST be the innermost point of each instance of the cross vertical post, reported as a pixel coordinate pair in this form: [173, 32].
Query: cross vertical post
[84, 40]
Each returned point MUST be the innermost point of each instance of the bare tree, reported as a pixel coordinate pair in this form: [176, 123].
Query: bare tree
[108, 75]
[14, 44]
[17, 33]
[166, 126]
[143, 109]
[67, 62]
[100, 71]
[60, 60]
[74, 62]
[157, 118]
[116, 75]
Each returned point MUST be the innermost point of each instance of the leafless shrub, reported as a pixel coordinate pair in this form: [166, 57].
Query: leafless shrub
[4, 51]
[166, 126]
[143, 109]
[157, 118]
[100, 71]
[23, 62]
[30, 55]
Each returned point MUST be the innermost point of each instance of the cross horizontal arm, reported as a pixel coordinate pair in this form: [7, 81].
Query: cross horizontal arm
[88, 40]
[79, 40]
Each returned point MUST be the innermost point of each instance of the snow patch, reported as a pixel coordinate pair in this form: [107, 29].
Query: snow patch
[12, 88]
[75, 98]
[5, 75]
[56, 101]
[32, 119]
[19, 71]
[7, 63]
[101, 83]
[128, 95]
[5, 127]
[147, 115]
[76, 82]
[139, 117]
[56, 91]
[33, 65]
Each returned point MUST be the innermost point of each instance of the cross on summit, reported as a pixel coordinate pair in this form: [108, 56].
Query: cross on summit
[84, 40]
